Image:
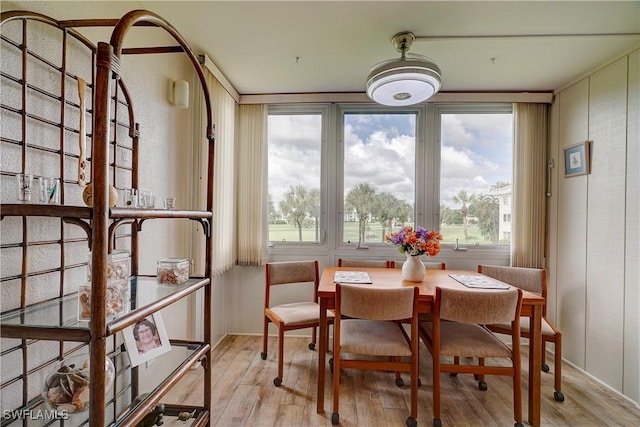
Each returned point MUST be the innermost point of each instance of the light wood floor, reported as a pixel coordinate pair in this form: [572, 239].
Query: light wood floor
[244, 394]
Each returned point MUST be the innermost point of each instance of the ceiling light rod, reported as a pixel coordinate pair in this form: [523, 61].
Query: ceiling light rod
[402, 42]
[522, 36]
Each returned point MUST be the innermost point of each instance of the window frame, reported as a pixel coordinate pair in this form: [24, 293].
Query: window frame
[420, 150]
[324, 112]
[468, 108]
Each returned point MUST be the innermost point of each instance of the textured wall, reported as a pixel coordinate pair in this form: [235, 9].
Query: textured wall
[166, 167]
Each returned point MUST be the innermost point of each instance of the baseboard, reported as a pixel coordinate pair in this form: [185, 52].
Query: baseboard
[605, 385]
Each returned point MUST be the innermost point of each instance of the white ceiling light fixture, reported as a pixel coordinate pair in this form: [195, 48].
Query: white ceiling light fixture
[408, 80]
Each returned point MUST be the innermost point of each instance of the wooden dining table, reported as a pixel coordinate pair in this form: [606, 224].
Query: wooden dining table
[532, 306]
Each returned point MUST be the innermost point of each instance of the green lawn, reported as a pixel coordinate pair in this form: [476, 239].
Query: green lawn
[288, 233]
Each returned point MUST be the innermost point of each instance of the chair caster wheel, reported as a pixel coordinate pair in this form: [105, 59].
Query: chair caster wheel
[482, 386]
[437, 422]
[335, 419]
[277, 381]
[518, 425]
[399, 382]
[263, 356]
[312, 346]
[558, 396]
[411, 422]
[331, 365]
[454, 374]
[419, 383]
[476, 377]
[545, 367]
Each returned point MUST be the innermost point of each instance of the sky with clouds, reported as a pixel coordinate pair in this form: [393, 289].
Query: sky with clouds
[380, 150]
[475, 154]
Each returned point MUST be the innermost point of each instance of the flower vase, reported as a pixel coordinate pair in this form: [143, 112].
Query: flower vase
[413, 270]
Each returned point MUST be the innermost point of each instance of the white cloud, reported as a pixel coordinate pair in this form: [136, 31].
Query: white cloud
[463, 169]
[478, 131]
[455, 162]
[294, 153]
[383, 161]
[475, 152]
[480, 181]
[377, 152]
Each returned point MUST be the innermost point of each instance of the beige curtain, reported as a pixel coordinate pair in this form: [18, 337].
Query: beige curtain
[251, 177]
[529, 180]
[224, 117]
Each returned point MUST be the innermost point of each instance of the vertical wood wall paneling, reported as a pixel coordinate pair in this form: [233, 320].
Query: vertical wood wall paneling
[605, 223]
[631, 382]
[572, 225]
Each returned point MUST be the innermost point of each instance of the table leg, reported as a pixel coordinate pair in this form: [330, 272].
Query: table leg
[322, 352]
[535, 364]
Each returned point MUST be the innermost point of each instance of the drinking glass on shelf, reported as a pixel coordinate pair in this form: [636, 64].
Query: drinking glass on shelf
[148, 200]
[25, 187]
[131, 197]
[49, 190]
[141, 199]
[170, 203]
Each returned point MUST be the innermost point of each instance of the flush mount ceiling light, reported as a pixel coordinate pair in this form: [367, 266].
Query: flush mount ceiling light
[407, 80]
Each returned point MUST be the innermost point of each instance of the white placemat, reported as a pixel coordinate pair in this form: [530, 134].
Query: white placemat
[478, 282]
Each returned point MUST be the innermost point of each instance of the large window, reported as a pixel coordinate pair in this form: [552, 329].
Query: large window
[378, 174]
[294, 160]
[476, 174]
[343, 176]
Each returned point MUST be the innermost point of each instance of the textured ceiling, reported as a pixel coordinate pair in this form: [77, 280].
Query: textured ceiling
[329, 46]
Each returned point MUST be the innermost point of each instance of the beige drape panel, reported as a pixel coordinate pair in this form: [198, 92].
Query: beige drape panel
[223, 226]
[251, 174]
[529, 181]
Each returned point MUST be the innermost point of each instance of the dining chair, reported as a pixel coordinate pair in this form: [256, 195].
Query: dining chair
[533, 280]
[464, 335]
[368, 327]
[291, 316]
[353, 262]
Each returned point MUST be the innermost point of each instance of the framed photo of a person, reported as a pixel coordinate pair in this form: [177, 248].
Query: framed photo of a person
[146, 339]
[576, 159]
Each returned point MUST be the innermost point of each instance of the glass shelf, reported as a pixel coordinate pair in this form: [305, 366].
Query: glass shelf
[141, 213]
[34, 209]
[177, 362]
[57, 319]
[171, 366]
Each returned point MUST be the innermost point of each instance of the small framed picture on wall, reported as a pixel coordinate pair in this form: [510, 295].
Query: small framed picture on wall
[576, 159]
[146, 339]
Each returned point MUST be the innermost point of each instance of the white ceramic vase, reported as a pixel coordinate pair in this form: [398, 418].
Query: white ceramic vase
[413, 269]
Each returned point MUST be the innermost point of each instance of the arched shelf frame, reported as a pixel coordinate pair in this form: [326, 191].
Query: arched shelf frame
[108, 67]
[100, 221]
[138, 17]
[121, 98]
